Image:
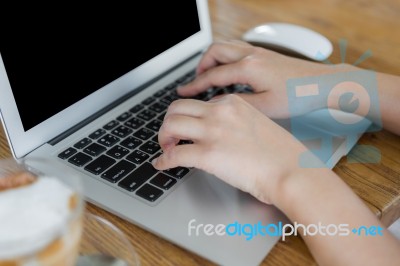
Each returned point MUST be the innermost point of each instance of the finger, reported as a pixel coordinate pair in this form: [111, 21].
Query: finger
[177, 127]
[223, 75]
[189, 107]
[182, 155]
[223, 52]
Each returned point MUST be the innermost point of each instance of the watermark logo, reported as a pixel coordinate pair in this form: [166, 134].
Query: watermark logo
[352, 98]
[249, 231]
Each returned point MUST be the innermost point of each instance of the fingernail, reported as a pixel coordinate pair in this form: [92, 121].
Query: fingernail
[154, 161]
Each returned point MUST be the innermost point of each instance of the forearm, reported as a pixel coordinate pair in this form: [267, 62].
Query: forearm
[389, 101]
[318, 196]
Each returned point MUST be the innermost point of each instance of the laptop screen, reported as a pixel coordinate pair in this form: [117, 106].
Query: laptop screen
[54, 59]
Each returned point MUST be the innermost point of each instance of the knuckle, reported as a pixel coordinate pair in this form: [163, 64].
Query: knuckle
[233, 98]
[226, 107]
[167, 124]
[214, 45]
[248, 63]
[174, 105]
[231, 102]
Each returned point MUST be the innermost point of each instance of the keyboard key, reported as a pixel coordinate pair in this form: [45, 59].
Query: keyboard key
[108, 140]
[159, 93]
[191, 74]
[158, 107]
[138, 177]
[220, 91]
[174, 93]
[154, 125]
[100, 165]
[80, 159]
[144, 133]
[155, 138]
[117, 152]
[171, 86]
[67, 153]
[136, 108]
[134, 123]
[150, 147]
[97, 134]
[118, 171]
[203, 96]
[82, 143]
[183, 142]
[181, 79]
[177, 172]
[124, 116]
[149, 192]
[122, 131]
[148, 100]
[137, 157]
[147, 115]
[110, 125]
[241, 88]
[161, 116]
[131, 142]
[169, 99]
[94, 149]
[163, 181]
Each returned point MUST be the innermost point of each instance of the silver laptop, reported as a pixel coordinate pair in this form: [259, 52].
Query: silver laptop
[92, 97]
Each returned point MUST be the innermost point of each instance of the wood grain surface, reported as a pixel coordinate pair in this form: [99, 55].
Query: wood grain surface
[366, 26]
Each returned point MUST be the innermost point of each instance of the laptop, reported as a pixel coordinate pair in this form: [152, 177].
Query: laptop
[87, 88]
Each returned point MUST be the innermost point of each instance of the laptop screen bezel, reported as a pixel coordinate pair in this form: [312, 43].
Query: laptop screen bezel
[22, 142]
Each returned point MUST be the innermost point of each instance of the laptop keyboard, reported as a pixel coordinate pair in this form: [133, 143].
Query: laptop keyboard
[121, 151]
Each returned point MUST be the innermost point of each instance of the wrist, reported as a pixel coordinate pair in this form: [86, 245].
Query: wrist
[343, 86]
[303, 187]
[276, 175]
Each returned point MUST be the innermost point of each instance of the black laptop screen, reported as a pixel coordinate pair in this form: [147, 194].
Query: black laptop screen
[55, 56]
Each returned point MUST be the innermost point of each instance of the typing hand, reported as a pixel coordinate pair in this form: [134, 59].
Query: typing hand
[265, 71]
[230, 139]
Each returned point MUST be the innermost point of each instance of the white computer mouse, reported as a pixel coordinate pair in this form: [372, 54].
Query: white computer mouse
[292, 38]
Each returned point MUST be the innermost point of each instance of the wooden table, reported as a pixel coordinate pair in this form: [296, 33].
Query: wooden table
[366, 25]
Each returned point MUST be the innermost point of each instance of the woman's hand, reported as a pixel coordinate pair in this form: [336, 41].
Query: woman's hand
[237, 62]
[233, 141]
